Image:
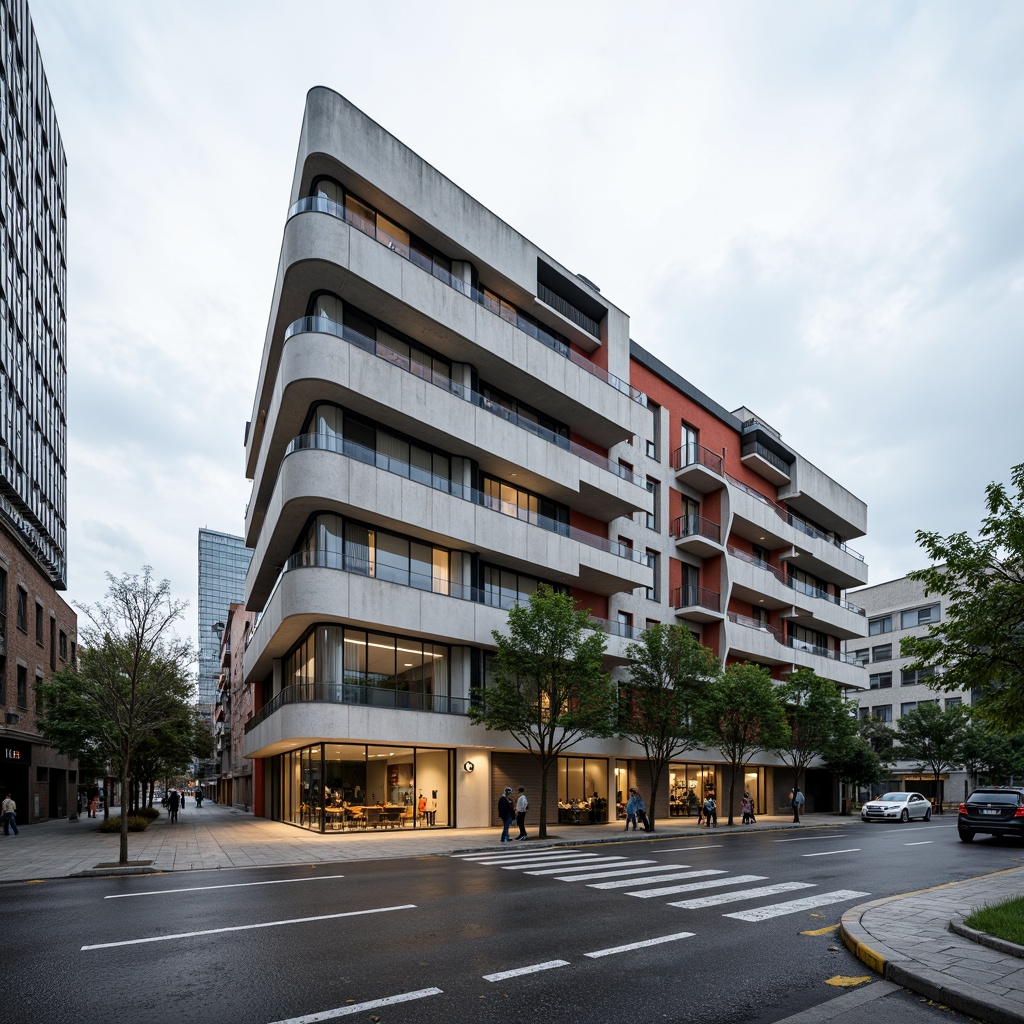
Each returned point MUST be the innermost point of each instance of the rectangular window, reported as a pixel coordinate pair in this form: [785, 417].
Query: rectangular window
[625, 621]
[883, 652]
[22, 686]
[883, 624]
[652, 450]
[53, 644]
[652, 446]
[883, 712]
[653, 591]
[880, 681]
[23, 609]
[861, 657]
[863, 713]
[62, 645]
[953, 702]
[912, 677]
[919, 616]
[907, 706]
[652, 516]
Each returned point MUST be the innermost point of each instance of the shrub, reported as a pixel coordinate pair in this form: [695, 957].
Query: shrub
[148, 812]
[135, 824]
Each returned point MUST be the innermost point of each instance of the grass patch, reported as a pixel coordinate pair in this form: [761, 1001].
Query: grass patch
[1003, 920]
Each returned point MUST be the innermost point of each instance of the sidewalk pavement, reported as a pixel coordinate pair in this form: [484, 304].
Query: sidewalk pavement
[911, 941]
[905, 938]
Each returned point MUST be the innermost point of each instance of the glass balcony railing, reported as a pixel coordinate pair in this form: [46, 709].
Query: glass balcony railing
[493, 597]
[358, 693]
[319, 204]
[324, 325]
[789, 641]
[341, 446]
[794, 520]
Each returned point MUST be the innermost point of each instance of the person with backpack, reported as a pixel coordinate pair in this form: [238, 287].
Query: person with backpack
[710, 811]
[506, 812]
[747, 807]
[631, 810]
[796, 799]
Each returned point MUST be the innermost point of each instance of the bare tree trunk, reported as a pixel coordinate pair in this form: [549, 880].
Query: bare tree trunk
[123, 854]
[732, 792]
[542, 828]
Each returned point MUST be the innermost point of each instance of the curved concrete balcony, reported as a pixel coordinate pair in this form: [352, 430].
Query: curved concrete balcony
[697, 604]
[312, 481]
[323, 361]
[698, 536]
[322, 252]
[699, 467]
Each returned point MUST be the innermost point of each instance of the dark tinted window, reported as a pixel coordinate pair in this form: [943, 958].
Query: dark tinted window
[995, 798]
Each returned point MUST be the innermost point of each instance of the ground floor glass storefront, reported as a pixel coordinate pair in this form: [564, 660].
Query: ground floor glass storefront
[582, 790]
[336, 786]
[690, 784]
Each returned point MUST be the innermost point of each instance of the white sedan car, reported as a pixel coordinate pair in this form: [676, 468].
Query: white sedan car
[896, 807]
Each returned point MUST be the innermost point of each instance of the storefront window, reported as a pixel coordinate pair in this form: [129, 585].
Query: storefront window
[688, 785]
[346, 786]
[582, 790]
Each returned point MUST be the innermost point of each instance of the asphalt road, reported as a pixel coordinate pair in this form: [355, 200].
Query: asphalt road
[724, 928]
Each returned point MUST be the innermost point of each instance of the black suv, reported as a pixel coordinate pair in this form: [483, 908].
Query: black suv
[994, 811]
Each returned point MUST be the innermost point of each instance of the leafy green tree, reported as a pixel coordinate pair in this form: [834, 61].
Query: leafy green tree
[881, 738]
[659, 705]
[991, 756]
[742, 714]
[134, 672]
[854, 761]
[980, 642]
[818, 721]
[550, 690]
[932, 738]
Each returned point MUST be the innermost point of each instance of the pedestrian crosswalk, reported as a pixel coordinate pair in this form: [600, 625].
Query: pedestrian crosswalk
[646, 879]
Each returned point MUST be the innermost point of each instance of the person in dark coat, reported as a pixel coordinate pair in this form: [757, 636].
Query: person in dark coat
[174, 803]
[506, 812]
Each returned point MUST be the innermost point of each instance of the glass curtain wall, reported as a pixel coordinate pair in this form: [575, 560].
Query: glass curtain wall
[334, 787]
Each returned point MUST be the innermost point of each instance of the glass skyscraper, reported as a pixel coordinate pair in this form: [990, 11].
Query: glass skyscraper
[223, 563]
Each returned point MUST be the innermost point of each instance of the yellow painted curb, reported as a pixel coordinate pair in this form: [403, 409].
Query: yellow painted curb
[863, 952]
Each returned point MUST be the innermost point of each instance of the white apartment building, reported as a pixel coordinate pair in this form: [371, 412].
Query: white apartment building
[445, 417]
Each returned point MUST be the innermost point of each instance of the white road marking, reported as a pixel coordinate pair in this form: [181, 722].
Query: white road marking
[600, 862]
[687, 849]
[671, 890]
[743, 894]
[520, 971]
[639, 945]
[552, 857]
[544, 851]
[829, 853]
[804, 839]
[233, 885]
[625, 883]
[623, 871]
[554, 862]
[925, 842]
[248, 927]
[820, 899]
[373, 1004]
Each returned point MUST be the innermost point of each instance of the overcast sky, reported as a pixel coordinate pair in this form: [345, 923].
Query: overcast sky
[814, 210]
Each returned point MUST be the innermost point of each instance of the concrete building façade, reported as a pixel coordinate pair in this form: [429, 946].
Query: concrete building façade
[894, 610]
[445, 416]
[38, 629]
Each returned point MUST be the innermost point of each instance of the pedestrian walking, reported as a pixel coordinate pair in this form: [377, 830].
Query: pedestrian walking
[522, 804]
[173, 803]
[796, 800]
[631, 809]
[199, 798]
[747, 807]
[506, 812]
[9, 810]
[710, 811]
[641, 812]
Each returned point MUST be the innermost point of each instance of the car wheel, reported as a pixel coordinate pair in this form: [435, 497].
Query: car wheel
[966, 836]
[905, 816]
[928, 815]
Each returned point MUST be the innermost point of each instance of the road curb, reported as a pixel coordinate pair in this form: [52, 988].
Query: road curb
[957, 926]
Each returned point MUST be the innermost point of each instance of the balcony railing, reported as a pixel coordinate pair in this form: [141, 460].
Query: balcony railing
[569, 311]
[794, 584]
[324, 325]
[691, 596]
[789, 641]
[341, 446]
[794, 520]
[696, 526]
[756, 448]
[693, 454]
[493, 597]
[357, 693]
[319, 204]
